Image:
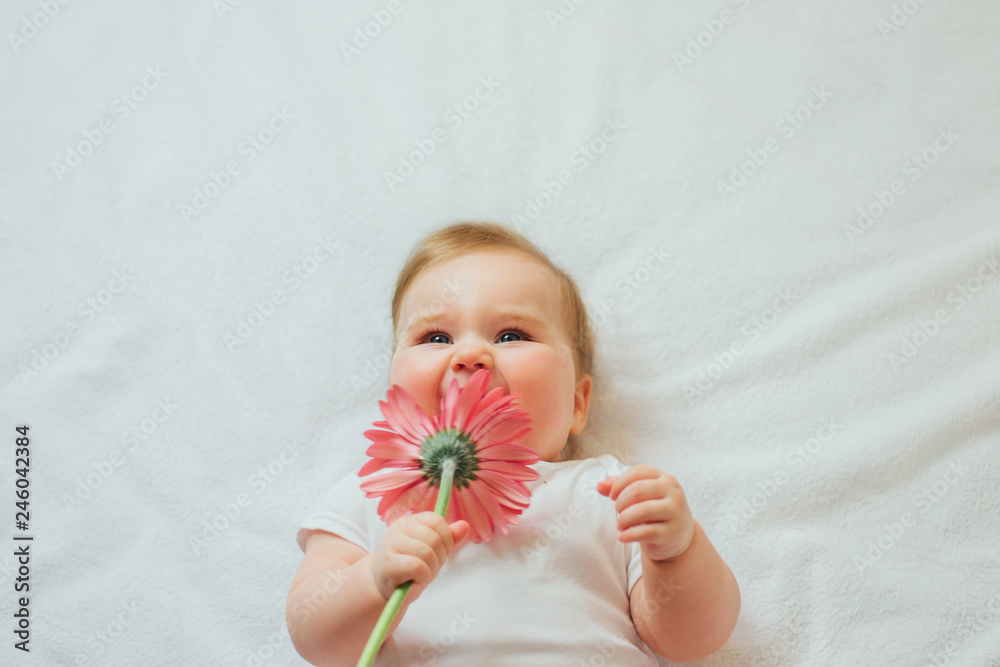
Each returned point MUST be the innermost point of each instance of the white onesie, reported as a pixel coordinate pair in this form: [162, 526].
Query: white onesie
[555, 591]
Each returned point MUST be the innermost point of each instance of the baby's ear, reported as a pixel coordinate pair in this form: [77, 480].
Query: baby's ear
[581, 403]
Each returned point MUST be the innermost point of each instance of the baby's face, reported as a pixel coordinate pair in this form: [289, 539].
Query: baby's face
[501, 311]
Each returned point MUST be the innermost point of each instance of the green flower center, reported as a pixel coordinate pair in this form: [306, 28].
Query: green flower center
[449, 444]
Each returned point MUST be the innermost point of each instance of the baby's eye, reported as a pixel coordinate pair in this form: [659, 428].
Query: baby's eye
[516, 333]
[435, 338]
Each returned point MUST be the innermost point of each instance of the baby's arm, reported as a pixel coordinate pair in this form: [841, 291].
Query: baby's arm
[340, 590]
[687, 601]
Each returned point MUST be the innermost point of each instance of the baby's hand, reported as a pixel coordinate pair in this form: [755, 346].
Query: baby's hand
[652, 511]
[415, 547]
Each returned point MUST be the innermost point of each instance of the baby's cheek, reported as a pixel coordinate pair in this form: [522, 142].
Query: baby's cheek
[549, 409]
[419, 378]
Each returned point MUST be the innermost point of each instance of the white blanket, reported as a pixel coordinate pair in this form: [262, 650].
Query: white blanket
[782, 215]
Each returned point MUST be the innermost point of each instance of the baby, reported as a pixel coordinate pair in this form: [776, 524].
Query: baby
[606, 565]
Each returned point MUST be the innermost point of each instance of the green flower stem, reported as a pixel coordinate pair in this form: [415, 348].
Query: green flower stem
[396, 601]
[444, 491]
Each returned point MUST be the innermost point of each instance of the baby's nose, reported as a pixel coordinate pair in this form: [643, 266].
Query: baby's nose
[472, 364]
[472, 357]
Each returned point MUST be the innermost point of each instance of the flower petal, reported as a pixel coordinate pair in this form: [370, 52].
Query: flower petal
[370, 466]
[407, 463]
[378, 435]
[515, 471]
[514, 493]
[509, 432]
[406, 416]
[375, 486]
[470, 395]
[495, 414]
[496, 496]
[427, 501]
[394, 450]
[485, 404]
[469, 509]
[518, 453]
[489, 503]
[412, 501]
[397, 415]
[512, 515]
[446, 416]
[392, 496]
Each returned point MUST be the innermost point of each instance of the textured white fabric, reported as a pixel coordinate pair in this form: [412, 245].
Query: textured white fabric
[198, 352]
[554, 591]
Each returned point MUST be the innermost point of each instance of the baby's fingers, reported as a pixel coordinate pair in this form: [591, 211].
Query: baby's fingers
[642, 533]
[645, 490]
[440, 535]
[434, 531]
[420, 558]
[459, 531]
[647, 511]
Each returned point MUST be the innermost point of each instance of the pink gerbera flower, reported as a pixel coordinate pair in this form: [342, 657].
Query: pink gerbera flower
[476, 433]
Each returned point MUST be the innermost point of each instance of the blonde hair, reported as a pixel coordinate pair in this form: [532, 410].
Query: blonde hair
[467, 237]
